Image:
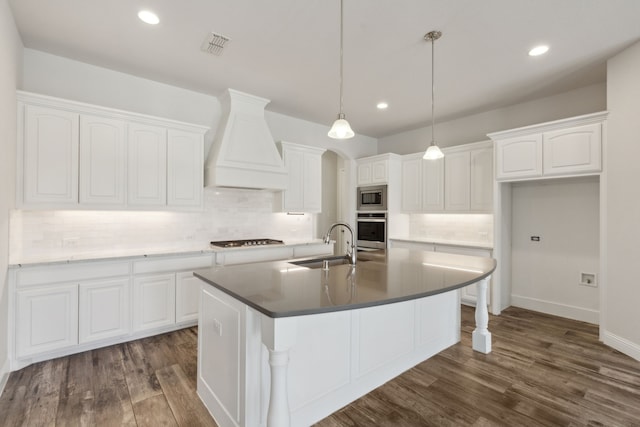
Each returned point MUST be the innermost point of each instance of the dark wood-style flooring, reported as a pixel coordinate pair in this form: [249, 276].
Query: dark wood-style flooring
[543, 371]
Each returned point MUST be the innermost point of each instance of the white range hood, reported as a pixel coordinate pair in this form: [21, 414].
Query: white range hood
[243, 153]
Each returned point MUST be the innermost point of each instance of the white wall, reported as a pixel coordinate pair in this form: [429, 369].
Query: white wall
[10, 74]
[621, 297]
[475, 128]
[564, 213]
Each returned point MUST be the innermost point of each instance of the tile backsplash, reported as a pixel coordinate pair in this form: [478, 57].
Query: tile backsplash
[41, 235]
[472, 228]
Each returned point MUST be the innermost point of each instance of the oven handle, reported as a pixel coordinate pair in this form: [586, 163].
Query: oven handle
[371, 220]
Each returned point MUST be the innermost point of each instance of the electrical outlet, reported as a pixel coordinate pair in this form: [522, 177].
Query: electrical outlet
[588, 279]
[217, 326]
[70, 242]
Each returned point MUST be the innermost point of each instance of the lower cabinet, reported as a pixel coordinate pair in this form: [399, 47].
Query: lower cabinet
[468, 294]
[67, 308]
[103, 309]
[153, 301]
[46, 319]
[187, 297]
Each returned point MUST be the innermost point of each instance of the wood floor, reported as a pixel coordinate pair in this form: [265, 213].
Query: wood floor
[543, 371]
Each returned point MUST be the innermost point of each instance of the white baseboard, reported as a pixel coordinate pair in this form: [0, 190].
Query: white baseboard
[556, 309]
[623, 345]
[4, 376]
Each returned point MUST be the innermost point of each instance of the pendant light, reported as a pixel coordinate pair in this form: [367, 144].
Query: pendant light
[341, 128]
[433, 152]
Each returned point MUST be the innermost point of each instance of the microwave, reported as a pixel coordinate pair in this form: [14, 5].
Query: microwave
[372, 198]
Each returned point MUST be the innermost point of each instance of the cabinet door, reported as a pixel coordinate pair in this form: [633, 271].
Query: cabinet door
[50, 156]
[412, 185]
[365, 173]
[153, 301]
[103, 309]
[380, 172]
[187, 296]
[574, 150]
[519, 157]
[481, 198]
[293, 196]
[102, 161]
[312, 180]
[457, 182]
[185, 168]
[433, 185]
[46, 319]
[147, 177]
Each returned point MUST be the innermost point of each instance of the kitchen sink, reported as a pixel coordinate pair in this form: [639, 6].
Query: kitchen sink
[317, 262]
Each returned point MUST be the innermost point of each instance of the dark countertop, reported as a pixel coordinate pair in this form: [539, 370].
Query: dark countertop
[282, 289]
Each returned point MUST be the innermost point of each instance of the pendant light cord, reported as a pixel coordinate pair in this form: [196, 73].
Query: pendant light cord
[341, 50]
[433, 113]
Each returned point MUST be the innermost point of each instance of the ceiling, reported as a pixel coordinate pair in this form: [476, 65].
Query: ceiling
[288, 50]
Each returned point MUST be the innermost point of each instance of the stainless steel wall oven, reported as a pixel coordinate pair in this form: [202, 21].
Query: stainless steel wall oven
[372, 230]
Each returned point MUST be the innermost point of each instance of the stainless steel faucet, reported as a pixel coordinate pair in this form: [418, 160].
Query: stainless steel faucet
[351, 250]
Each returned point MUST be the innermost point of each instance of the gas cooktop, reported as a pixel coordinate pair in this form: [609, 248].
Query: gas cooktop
[249, 242]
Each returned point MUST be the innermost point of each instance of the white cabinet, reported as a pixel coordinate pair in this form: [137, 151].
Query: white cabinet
[304, 187]
[147, 165]
[75, 155]
[481, 173]
[185, 168]
[102, 161]
[468, 294]
[187, 297]
[103, 309]
[457, 182]
[422, 184]
[519, 157]
[573, 150]
[153, 301]
[50, 155]
[373, 170]
[565, 147]
[412, 183]
[433, 185]
[46, 319]
[460, 182]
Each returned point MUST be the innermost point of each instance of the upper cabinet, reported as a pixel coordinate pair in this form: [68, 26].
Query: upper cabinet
[50, 141]
[74, 155]
[373, 170]
[304, 188]
[566, 147]
[147, 165]
[461, 182]
[102, 161]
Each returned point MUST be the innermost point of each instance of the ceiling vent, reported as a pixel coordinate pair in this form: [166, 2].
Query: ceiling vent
[214, 43]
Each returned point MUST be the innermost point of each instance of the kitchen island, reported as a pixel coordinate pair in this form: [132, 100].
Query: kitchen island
[289, 342]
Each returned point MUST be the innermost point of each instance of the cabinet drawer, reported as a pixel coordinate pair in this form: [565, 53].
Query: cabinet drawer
[311, 250]
[43, 275]
[161, 264]
[257, 255]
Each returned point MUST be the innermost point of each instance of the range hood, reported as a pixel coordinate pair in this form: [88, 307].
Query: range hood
[243, 153]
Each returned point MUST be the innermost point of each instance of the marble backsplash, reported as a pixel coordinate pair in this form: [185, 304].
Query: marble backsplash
[228, 214]
[472, 228]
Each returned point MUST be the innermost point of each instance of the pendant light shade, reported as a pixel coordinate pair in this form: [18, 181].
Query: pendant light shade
[433, 152]
[341, 128]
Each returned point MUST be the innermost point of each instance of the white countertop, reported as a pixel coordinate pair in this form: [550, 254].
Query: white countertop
[107, 254]
[436, 241]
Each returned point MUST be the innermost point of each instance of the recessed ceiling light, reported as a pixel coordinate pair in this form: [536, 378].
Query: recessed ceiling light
[538, 50]
[382, 105]
[148, 17]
